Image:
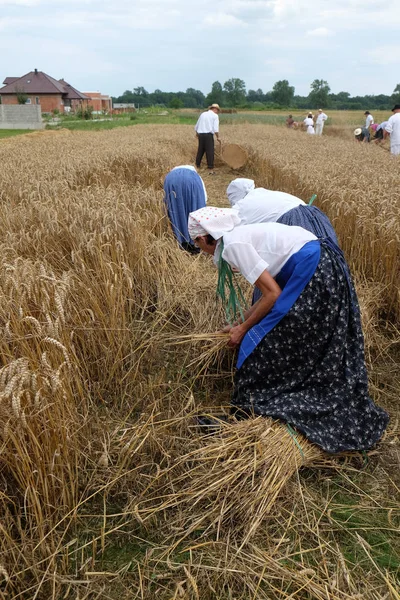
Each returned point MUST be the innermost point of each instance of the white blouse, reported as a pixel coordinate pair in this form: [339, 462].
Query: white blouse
[265, 206]
[252, 249]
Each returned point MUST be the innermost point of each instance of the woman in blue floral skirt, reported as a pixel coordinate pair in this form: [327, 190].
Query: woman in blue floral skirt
[301, 347]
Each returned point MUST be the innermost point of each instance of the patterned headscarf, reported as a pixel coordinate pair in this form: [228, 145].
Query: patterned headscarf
[238, 189]
[212, 220]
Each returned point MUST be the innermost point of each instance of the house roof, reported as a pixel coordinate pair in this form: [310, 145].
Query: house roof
[37, 82]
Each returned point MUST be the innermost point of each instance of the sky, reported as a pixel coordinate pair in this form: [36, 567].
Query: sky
[176, 44]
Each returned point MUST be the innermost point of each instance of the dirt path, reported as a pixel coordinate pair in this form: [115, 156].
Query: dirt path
[216, 184]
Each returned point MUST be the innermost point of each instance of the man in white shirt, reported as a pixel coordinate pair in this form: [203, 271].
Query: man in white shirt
[393, 130]
[206, 127]
[369, 119]
[321, 118]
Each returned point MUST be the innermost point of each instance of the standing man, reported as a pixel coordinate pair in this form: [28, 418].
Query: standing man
[393, 130]
[319, 125]
[369, 119]
[206, 127]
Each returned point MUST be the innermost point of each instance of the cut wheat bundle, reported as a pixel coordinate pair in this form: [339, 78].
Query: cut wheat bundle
[234, 478]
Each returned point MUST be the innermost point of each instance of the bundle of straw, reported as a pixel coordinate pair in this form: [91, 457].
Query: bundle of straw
[234, 478]
[234, 155]
[213, 348]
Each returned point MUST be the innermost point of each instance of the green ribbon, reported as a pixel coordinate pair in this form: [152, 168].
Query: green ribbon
[233, 301]
[312, 199]
[294, 437]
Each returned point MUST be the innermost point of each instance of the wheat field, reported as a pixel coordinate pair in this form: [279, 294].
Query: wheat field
[109, 348]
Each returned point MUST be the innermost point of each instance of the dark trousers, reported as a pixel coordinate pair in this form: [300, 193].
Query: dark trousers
[206, 145]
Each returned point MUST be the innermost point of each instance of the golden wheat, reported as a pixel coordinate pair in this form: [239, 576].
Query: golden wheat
[108, 351]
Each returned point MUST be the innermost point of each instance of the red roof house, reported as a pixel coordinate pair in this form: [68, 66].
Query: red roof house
[40, 88]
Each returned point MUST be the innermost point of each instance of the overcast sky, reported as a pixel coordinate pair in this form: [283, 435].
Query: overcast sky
[176, 44]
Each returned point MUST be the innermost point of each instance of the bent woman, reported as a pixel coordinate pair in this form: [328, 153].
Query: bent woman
[184, 192]
[301, 347]
[258, 205]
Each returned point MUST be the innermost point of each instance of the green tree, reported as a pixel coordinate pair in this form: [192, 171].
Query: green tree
[176, 102]
[197, 95]
[255, 95]
[217, 95]
[140, 91]
[21, 95]
[283, 93]
[319, 95]
[235, 90]
[395, 97]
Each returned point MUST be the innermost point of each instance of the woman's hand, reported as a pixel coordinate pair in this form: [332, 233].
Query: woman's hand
[236, 334]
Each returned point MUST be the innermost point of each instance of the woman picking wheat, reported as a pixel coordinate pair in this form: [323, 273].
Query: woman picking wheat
[259, 205]
[301, 352]
[184, 192]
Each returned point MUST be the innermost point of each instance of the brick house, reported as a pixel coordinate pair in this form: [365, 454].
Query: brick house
[100, 102]
[40, 88]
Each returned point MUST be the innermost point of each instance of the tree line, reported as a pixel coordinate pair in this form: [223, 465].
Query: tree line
[233, 94]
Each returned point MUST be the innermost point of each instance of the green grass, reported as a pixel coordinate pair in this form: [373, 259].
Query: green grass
[4, 133]
[125, 121]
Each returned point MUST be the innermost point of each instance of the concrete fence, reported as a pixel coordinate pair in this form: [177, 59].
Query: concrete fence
[20, 116]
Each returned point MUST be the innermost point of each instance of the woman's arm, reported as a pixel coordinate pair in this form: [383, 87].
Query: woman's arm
[270, 293]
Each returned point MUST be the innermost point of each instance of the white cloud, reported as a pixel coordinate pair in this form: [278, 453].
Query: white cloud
[223, 20]
[386, 55]
[319, 32]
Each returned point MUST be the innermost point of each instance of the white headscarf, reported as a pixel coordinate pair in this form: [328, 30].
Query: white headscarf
[238, 189]
[212, 220]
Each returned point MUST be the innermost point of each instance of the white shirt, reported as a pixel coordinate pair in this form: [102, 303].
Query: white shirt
[382, 125]
[321, 118]
[208, 122]
[393, 127]
[310, 124]
[369, 121]
[252, 249]
[265, 206]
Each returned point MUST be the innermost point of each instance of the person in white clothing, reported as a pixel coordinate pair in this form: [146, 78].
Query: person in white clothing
[369, 119]
[206, 127]
[392, 129]
[319, 125]
[301, 348]
[258, 205]
[309, 123]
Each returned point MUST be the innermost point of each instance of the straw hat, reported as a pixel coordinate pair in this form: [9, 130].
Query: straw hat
[358, 131]
[214, 106]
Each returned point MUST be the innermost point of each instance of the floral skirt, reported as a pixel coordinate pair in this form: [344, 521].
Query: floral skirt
[310, 372]
[312, 219]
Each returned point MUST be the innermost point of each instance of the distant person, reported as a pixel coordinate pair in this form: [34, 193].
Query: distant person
[319, 125]
[290, 122]
[361, 134]
[369, 119]
[379, 131]
[309, 124]
[392, 129]
[184, 192]
[206, 127]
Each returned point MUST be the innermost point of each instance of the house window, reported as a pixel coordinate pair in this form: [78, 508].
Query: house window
[28, 101]
[37, 100]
